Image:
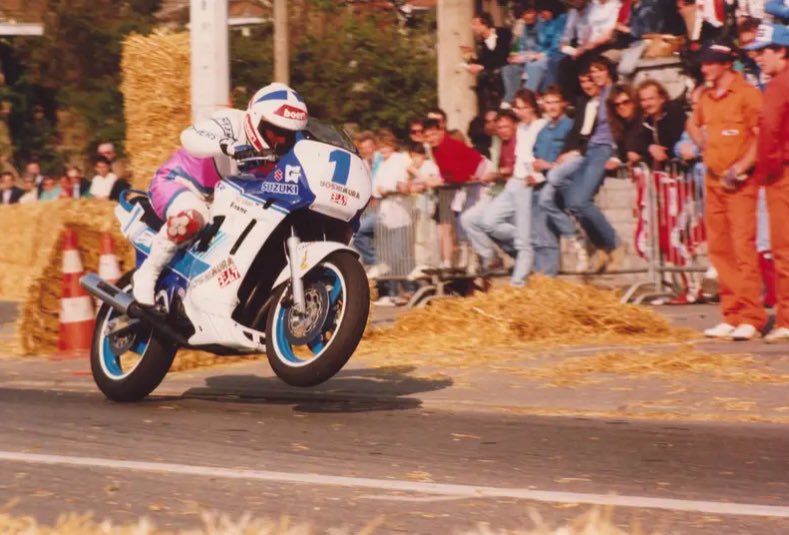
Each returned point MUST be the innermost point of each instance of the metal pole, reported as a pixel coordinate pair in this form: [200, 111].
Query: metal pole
[281, 57]
[208, 31]
[455, 95]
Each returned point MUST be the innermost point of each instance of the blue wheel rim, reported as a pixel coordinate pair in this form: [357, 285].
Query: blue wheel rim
[317, 345]
[110, 362]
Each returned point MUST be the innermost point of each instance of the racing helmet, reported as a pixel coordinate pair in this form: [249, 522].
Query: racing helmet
[273, 116]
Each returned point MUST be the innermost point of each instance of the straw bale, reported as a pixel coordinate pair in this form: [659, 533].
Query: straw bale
[44, 225]
[547, 312]
[156, 96]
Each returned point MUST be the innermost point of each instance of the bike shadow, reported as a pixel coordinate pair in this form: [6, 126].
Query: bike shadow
[363, 390]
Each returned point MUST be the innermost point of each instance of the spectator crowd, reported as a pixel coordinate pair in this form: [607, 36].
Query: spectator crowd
[569, 94]
[33, 186]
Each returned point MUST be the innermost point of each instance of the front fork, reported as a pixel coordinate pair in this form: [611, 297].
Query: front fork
[296, 283]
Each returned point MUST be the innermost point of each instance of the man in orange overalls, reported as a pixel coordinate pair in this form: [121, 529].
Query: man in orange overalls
[725, 125]
[772, 169]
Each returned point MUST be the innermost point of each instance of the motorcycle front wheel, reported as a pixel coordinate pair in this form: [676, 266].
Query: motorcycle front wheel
[130, 364]
[308, 349]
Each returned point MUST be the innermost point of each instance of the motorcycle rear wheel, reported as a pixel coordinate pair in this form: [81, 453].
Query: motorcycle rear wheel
[306, 351]
[129, 375]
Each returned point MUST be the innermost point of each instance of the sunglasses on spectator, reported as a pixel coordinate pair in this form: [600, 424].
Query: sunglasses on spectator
[623, 102]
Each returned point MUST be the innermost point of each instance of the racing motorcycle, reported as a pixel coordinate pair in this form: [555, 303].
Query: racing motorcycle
[272, 272]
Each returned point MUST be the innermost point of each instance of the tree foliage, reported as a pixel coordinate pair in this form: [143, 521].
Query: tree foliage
[75, 65]
[360, 70]
[350, 67]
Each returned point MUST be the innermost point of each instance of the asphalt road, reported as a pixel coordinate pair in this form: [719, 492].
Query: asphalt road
[343, 463]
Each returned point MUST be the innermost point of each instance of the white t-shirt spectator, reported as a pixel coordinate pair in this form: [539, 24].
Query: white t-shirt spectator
[101, 186]
[525, 136]
[601, 18]
[392, 171]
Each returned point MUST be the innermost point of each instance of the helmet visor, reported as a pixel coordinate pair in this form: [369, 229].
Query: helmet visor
[279, 139]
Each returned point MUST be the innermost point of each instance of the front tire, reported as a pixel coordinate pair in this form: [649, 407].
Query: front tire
[131, 374]
[310, 350]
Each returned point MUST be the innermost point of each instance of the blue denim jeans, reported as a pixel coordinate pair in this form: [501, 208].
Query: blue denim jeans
[545, 239]
[536, 73]
[511, 76]
[556, 182]
[507, 220]
[580, 193]
[364, 240]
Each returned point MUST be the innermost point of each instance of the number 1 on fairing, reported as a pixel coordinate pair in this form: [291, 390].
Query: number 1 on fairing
[342, 165]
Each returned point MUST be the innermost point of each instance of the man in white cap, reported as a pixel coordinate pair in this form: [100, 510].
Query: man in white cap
[772, 167]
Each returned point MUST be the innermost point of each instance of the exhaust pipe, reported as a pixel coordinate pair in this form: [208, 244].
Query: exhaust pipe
[106, 292]
[125, 304]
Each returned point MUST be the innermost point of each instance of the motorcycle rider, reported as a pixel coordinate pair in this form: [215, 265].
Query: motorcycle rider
[181, 189]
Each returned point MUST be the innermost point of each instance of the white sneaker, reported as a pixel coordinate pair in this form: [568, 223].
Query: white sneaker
[418, 272]
[779, 334]
[385, 301]
[721, 330]
[377, 271]
[743, 332]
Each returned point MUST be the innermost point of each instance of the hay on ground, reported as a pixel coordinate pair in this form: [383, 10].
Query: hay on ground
[547, 312]
[679, 362]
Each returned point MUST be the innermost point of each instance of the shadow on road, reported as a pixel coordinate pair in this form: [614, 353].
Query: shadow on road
[376, 389]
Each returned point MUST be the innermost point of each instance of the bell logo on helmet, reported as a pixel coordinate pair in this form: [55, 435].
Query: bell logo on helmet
[289, 112]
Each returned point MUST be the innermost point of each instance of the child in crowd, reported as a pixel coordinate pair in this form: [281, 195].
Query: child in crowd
[423, 174]
[103, 183]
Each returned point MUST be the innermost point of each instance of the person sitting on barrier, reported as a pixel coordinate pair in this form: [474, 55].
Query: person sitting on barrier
[181, 188]
[471, 220]
[506, 220]
[664, 121]
[587, 180]
[564, 167]
[549, 144]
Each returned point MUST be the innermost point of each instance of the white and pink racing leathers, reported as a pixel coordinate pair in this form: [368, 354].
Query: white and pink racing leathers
[187, 179]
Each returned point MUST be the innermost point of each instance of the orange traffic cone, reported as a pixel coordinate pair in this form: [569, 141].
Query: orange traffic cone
[109, 268]
[76, 307]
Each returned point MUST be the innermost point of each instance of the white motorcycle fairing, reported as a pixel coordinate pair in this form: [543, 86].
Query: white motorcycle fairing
[247, 214]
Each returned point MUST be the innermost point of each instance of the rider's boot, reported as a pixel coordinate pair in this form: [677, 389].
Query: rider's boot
[144, 279]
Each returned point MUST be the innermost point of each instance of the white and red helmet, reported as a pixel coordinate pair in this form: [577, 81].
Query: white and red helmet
[277, 107]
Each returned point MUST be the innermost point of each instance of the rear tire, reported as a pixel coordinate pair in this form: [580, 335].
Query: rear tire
[114, 379]
[335, 338]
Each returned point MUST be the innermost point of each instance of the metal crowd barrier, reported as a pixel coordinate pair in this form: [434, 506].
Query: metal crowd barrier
[417, 238]
[670, 233]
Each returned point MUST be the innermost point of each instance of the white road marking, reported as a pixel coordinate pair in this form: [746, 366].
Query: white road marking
[440, 489]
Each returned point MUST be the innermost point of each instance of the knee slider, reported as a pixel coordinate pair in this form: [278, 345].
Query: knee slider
[184, 225]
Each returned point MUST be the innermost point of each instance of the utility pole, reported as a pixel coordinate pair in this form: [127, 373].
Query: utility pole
[281, 58]
[208, 31]
[455, 94]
